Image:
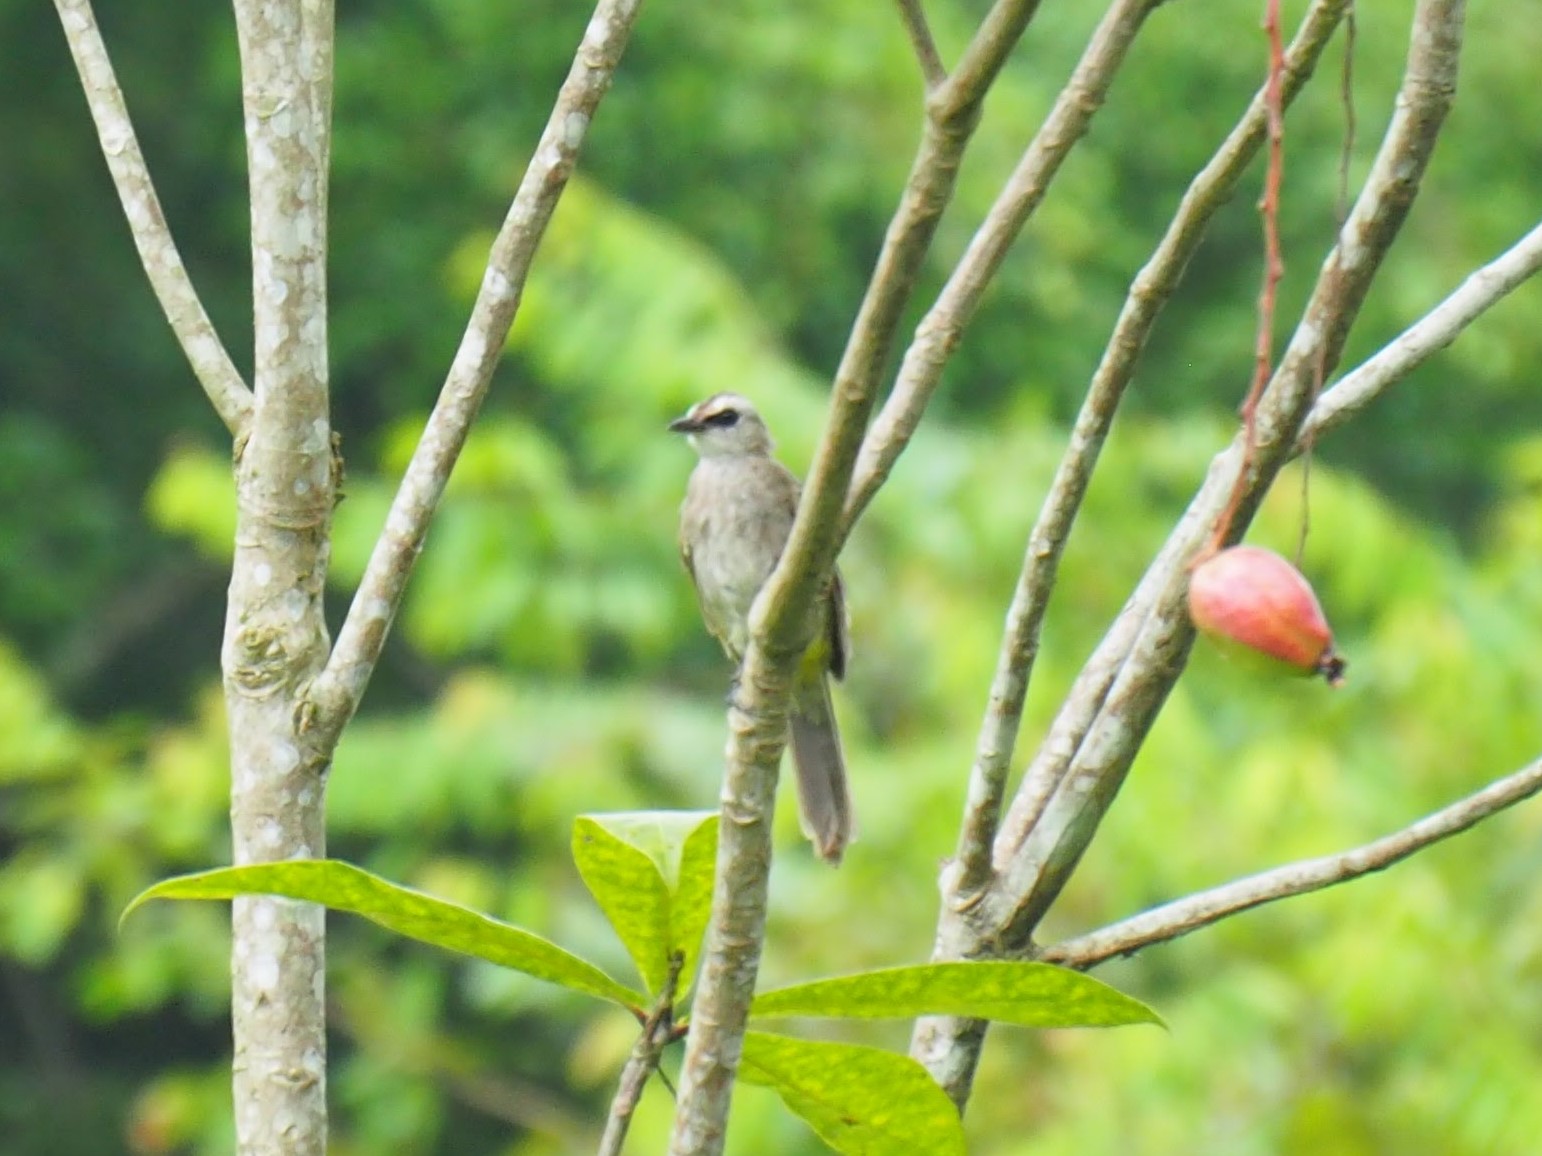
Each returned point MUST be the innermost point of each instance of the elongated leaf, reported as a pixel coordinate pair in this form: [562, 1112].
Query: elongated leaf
[690, 907]
[1033, 994]
[345, 887]
[862, 1101]
[651, 873]
[629, 887]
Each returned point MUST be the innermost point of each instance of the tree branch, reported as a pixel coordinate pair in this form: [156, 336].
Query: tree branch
[1143, 670]
[972, 869]
[1082, 762]
[779, 623]
[1433, 332]
[335, 695]
[920, 33]
[1182, 916]
[939, 332]
[158, 254]
[275, 630]
[987, 54]
[657, 1034]
[1149, 292]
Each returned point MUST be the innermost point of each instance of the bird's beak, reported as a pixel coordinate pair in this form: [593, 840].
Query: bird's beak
[685, 425]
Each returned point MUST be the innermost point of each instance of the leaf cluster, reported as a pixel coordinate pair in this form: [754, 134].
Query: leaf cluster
[651, 873]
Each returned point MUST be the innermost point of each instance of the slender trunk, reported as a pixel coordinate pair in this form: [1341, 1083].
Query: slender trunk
[275, 635]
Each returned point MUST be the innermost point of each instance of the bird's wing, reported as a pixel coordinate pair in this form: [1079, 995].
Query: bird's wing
[685, 556]
[840, 640]
[689, 560]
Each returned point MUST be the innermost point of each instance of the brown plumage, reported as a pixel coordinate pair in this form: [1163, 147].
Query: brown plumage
[734, 522]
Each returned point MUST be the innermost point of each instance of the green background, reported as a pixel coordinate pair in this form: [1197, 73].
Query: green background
[550, 661]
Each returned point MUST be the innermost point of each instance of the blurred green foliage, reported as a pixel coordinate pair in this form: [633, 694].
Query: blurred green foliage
[550, 661]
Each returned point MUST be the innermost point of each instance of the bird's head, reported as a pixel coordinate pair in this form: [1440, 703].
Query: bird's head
[725, 425]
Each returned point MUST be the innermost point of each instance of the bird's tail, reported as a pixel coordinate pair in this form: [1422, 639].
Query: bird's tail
[824, 802]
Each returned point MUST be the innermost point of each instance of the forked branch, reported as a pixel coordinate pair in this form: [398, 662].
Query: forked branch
[336, 692]
[938, 334]
[1131, 673]
[657, 1033]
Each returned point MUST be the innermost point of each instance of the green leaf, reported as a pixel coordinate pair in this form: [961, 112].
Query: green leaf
[660, 835]
[345, 887]
[630, 889]
[690, 907]
[651, 873]
[1037, 995]
[862, 1101]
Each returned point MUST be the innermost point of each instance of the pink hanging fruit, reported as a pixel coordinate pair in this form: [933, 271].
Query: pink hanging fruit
[1251, 597]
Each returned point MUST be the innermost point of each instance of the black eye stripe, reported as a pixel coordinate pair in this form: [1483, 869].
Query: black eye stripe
[725, 418]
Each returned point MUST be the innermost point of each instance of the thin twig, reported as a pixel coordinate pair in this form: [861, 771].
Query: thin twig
[938, 334]
[657, 1034]
[988, 50]
[779, 623]
[920, 33]
[1340, 216]
[1438, 328]
[335, 694]
[1274, 270]
[158, 254]
[1182, 916]
[1351, 119]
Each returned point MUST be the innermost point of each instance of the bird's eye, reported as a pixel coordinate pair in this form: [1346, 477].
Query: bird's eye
[723, 418]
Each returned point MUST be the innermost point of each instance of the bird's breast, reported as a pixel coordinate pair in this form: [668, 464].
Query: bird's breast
[736, 521]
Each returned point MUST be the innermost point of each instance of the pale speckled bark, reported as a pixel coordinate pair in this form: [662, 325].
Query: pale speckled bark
[157, 251]
[275, 635]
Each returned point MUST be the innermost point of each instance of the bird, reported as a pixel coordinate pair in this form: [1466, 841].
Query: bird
[734, 523]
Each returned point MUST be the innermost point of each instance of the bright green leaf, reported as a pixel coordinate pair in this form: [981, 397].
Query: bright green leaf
[660, 835]
[345, 887]
[1033, 994]
[630, 889]
[862, 1101]
[691, 905]
[651, 873]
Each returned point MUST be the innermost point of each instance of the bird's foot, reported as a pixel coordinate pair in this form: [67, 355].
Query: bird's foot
[732, 699]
